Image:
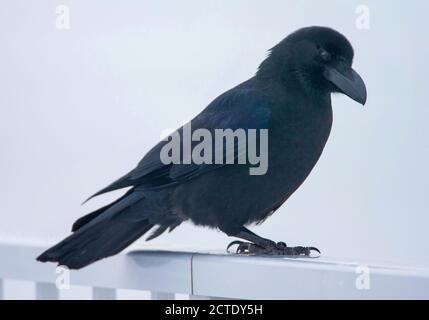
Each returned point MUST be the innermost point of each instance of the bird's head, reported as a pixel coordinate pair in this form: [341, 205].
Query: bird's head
[318, 59]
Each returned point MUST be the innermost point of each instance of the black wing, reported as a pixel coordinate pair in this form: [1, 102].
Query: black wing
[242, 107]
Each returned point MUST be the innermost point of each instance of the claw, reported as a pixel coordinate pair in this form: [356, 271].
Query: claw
[279, 248]
[306, 251]
[314, 249]
[245, 248]
[233, 244]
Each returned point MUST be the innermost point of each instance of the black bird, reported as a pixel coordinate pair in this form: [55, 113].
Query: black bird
[290, 95]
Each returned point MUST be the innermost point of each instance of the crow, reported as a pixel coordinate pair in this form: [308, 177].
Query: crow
[290, 97]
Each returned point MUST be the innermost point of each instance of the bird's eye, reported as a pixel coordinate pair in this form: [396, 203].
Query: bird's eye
[325, 55]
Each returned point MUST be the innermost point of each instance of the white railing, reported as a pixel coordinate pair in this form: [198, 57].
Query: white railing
[216, 275]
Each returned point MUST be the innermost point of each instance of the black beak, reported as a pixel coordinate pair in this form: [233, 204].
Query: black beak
[347, 81]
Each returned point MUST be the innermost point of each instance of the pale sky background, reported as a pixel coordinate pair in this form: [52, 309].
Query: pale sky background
[80, 107]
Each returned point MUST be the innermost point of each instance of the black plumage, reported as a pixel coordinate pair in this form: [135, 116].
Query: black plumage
[290, 95]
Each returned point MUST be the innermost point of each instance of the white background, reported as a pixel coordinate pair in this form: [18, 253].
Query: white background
[80, 107]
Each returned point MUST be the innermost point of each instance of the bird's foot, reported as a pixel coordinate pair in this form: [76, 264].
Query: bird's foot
[271, 248]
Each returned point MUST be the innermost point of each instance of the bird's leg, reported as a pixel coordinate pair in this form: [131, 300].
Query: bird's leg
[262, 246]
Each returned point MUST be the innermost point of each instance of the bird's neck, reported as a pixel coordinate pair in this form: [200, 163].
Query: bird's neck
[289, 76]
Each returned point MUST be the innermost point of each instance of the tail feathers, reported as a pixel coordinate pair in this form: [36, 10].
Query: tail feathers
[103, 239]
[121, 183]
[90, 216]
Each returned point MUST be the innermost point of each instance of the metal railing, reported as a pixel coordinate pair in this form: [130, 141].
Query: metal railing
[216, 275]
